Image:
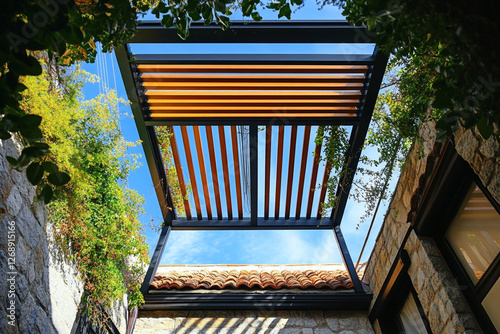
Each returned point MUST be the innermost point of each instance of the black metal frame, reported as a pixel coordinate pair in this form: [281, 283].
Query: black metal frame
[453, 180]
[251, 32]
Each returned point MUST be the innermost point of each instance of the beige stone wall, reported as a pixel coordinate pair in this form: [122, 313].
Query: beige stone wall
[258, 322]
[45, 288]
[438, 291]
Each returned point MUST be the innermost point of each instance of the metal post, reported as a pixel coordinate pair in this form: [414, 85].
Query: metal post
[347, 260]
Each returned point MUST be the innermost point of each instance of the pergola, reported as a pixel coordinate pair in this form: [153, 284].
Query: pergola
[241, 125]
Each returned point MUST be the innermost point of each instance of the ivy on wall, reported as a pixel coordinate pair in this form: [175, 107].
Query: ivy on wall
[95, 214]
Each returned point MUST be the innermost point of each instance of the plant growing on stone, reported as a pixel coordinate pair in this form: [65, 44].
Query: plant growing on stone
[95, 213]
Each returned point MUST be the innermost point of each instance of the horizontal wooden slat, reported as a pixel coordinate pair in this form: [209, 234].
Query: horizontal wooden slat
[192, 95]
[191, 115]
[252, 86]
[155, 109]
[241, 102]
[253, 78]
[252, 69]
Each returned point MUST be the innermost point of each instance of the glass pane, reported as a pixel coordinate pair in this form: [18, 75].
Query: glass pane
[490, 304]
[475, 234]
[410, 317]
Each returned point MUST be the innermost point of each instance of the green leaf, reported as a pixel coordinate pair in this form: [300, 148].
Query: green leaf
[12, 161]
[223, 22]
[296, 2]
[167, 21]
[34, 152]
[256, 16]
[46, 194]
[285, 11]
[207, 13]
[220, 6]
[50, 167]
[34, 173]
[485, 128]
[442, 99]
[246, 7]
[371, 23]
[59, 178]
[182, 24]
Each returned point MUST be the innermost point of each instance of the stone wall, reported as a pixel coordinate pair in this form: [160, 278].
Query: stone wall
[42, 285]
[258, 322]
[438, 291]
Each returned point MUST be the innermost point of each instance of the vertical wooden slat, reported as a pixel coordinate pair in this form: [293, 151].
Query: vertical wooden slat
[300, 191]
[268, 171]
[291, 163]
[203, 172]
[281, 135]
[213, 165]
[326, 176]
[236, 161]
[314, 176]
[178, 169]
[192, 178]
[225, 171]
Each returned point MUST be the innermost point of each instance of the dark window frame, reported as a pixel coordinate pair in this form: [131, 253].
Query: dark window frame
[454, 179]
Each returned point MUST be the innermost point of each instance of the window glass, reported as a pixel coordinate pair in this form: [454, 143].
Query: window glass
[410, 317]
[475, 234]
[490, 304]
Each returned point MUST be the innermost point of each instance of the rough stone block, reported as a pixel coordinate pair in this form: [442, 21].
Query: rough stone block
[467, 145]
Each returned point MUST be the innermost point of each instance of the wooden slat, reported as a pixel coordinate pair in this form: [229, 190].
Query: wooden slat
[267, 181]
[146, 78]
[252, 86]
[192, 115]
[225, 171]
[305, 154]
[192, 178]
[178, 169]
[291, 162]
[203, 172]
[146, 68]
[314, 176]
[213, 165]
[154, 109]
[326, 176]
[236, 161]
[279, 156]
[251, 103]
[309, 95]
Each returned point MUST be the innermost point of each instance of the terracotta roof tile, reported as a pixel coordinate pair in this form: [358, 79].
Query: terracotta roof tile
[252, 279]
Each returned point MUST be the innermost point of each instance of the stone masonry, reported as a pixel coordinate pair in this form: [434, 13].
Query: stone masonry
[45, 288]
[258, 322]
[438, 291]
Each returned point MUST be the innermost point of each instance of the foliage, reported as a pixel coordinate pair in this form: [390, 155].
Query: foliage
[164, 136]
[67, 31]
[455, 42]
[95, 213]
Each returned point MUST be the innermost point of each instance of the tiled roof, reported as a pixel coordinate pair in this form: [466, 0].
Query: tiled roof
[256, 278]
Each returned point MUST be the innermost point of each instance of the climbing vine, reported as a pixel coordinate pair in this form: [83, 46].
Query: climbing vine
[95, 214]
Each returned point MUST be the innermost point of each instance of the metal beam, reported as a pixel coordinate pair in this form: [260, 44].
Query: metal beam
[156, 258]
[246, 224]
[358, 135]
[261, 301]
[147, 136]
[257, 32]
[255, 59]
[346, 257]
[254, 173]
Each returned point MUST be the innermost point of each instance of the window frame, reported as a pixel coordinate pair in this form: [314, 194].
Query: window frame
[454, 178]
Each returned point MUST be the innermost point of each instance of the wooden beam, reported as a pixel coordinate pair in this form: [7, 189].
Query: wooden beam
[267, 181]
[303, 165]
[279, 163]
[291, 162]
[213, 165]
[218, 78]
[203, 172]
[237, 177]
[309, 95]
[147, 68]
[192, 176]
[276, 114]
[324, 184]
[178, 169]
[251, 86]
[225, 171]
[273, 103]
[314, 176]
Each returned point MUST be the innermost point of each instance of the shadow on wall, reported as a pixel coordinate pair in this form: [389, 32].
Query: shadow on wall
[262, 321]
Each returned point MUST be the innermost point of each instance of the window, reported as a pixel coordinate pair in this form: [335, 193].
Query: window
[474, 238]
[410, 318]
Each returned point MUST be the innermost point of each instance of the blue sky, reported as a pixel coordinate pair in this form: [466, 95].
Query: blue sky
[237, 247]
